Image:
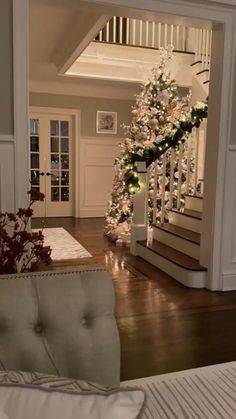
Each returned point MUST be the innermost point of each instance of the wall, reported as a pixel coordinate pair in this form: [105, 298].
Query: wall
[6, 77]
[97, 151]
[6, 109]
[88, 107]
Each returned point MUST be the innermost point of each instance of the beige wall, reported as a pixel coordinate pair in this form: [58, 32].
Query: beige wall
[88, 107]
[6, 77]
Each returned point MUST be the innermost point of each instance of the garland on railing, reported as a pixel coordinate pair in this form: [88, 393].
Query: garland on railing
[149, 154]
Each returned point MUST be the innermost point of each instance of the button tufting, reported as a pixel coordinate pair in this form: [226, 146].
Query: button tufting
[38, 329]
[84, 321]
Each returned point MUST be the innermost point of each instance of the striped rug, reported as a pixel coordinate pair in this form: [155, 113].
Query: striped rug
[63, 245]
[202, 393]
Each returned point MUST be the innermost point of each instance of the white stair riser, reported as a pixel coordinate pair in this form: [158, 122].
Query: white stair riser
[185, 221]
[178, 243]
[193, 203]
[191, 279]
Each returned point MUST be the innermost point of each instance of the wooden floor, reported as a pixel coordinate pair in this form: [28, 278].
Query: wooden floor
[163, 326]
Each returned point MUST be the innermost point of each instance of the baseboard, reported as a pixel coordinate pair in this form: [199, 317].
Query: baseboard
[229, 282]
[92, 213]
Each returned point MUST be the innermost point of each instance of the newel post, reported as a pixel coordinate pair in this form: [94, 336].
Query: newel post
[139, 223]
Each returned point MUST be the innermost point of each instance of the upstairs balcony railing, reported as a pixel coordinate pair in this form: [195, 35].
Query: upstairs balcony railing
[145, 34]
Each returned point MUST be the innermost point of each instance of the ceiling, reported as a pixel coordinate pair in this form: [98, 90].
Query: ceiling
[59, 31]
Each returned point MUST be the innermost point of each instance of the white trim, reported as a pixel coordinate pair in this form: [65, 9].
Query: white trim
[224, 15]
[6, 138]
[59, 111]
[191, 279]
[216, 177]
[21, 97]
[228, 282]
[1, 186]
[77, 139]
[76, 115]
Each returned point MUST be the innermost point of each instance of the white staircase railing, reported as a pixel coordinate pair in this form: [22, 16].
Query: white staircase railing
[176, 174]
[137, 32]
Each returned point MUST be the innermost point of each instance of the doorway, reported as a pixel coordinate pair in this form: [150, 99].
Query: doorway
[52, 162]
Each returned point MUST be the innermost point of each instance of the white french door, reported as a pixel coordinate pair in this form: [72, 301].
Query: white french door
[51, 163]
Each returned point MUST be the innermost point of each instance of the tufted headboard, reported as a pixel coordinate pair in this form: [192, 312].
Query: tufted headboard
[60, 322]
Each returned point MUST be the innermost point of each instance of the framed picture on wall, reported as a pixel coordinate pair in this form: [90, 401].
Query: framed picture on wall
[106, 122]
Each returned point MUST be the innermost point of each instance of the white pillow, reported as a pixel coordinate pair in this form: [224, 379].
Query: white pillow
[49, 397]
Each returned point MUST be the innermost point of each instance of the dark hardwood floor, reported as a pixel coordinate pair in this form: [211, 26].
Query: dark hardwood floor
[163, 326]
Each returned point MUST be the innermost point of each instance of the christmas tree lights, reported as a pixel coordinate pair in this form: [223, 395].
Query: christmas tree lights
[160, 121]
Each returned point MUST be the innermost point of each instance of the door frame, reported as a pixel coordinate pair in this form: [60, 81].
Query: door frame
[218, 212]
[76, 118]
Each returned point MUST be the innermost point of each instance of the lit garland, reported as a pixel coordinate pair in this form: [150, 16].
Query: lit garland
[177, 136]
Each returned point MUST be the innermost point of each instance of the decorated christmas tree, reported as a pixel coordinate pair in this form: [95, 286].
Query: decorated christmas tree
[160, 120]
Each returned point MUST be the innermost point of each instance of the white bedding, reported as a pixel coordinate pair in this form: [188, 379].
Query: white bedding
[202, 393]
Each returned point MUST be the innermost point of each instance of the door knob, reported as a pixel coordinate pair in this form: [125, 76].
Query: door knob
[48, 174]
[42, 173]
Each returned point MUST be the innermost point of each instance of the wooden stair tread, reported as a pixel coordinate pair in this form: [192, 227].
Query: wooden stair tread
[189, 213]
[174, 256]
[180, 232]
[194, 196]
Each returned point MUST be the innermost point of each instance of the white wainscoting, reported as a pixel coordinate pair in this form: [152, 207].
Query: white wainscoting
[7, 174]
[97, 172]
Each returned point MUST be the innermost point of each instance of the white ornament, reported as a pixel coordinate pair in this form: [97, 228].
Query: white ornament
[163, 97]
[159, 138]
[140, 152]
[153, 123]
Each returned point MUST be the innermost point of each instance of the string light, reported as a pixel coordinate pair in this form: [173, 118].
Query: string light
[173, 127]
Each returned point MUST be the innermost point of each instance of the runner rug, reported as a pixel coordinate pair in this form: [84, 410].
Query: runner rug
[63, 245]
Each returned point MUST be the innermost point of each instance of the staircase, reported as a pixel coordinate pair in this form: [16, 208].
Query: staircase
[175, 246]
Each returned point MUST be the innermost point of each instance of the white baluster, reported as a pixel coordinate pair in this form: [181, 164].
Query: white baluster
[107, 31]
[196, 44]
[172, 34]
[203, 48]
[188, 144]
[163, 188]
[177, 37]
[134, 32]
[209, 58]
[100, 35]
[127, 30]
[114, 29]
[153, 34]
[140, 32]
[121, 30]
[196, 159]
[180, 176]
[165, 35]
[200, 44]
[147, 34]
[207, 49]
[183, 38]
[172, 167]
[159, 35]
[155, 192]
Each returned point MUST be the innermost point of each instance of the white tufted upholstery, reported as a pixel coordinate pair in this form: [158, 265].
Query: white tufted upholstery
[60, 322]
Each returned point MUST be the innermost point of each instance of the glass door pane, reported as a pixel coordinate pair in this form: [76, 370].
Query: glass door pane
[34, 155]
[59, 160]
